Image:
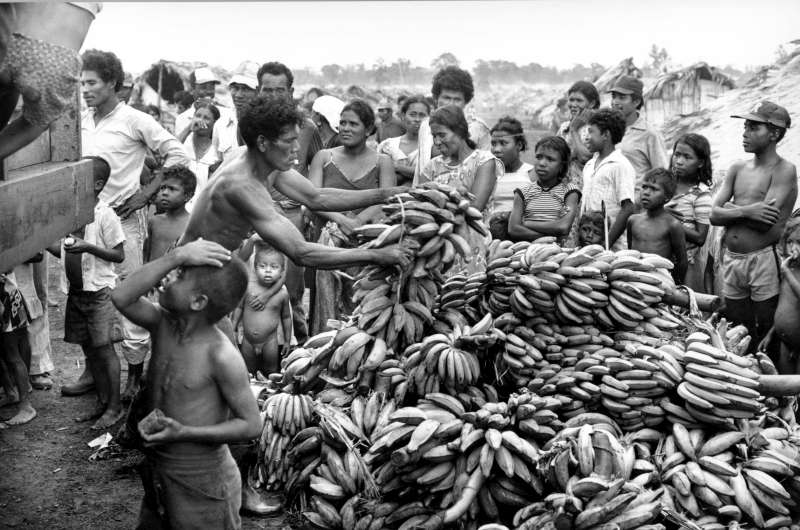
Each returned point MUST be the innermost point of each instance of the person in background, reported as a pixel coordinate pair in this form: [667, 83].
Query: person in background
[243, 87]
[325, 112]
[198, 145]
[126, 91]
[404, 149]
[31, 280]
[166, 227]
[608, 178]
[508, 144]
[582, 99]
[548, 205]
[203, 82]
[153, 111]
[122, 136]
[184, 100]
[389, 125]
[641, 145]
[13, 346]
[561, 114]
[691, 205]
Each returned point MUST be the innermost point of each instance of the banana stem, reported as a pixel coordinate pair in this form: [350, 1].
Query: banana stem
[453, 513]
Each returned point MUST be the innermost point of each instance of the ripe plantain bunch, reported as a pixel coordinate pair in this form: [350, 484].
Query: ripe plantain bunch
[463, 292]
[731, 477]
[434, 218]
[596, 479]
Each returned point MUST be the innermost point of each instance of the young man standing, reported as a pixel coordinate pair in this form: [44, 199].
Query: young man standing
[641, 145]
[122, 136]
[754, 203]
[243, 86]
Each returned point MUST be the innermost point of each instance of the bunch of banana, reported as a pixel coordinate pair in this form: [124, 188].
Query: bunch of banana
[718, 386]
[462, 292]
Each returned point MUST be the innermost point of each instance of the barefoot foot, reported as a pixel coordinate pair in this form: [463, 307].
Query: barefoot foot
[109, 418]
[25, 414]
[93, 414]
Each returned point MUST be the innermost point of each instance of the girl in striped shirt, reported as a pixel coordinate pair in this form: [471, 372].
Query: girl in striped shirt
[547, 206]
[691, 205]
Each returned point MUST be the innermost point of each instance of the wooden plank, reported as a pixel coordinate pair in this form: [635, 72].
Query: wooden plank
[39, 204]
[36, 152]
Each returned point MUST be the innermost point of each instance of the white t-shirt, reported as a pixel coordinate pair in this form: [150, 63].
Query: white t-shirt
[610, 182]
[504, 193]
[106, 232]
[199, 167]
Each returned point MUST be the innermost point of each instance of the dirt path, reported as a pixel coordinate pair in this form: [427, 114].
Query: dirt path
[46, 478]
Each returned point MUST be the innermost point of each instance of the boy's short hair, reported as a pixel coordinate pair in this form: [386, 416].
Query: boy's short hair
[267, 117]
[592, 218]
[453, 78]
[223, 286]
[662, 176]
[182, 174]
[610, 120]
[262, 247]
[107, 66]
[101, 171]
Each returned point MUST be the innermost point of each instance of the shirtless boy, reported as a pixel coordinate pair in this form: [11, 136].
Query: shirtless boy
[753, 204]
[238, 200]
[198, 380]
[260, 345]
[655, 230]
[167, 226]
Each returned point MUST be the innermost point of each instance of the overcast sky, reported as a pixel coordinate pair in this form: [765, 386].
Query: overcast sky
[559, 33]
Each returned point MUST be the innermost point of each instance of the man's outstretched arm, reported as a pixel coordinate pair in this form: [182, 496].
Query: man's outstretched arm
[297, 187]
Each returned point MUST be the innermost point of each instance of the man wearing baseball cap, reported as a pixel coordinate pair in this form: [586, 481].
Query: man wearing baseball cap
[243, 86]
[641, 145]
[389, 126]
[753, 205]
[204, 83]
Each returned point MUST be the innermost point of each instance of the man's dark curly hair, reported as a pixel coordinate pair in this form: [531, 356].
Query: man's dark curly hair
[267, 117]
[182, 174]
[276, 68]
[453, 78]
[106, 64]
[609, 120]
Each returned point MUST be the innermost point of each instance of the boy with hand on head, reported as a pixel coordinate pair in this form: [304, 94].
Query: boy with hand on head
[89, 318]
[655, 230]
[608, 177]
[260, 322]
[167, 226]
[197, 387]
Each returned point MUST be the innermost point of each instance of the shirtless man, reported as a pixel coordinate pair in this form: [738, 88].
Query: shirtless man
[237, 200]
[761, 192]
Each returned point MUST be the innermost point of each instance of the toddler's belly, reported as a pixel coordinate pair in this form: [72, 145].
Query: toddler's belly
[258, 330]
[787, 321]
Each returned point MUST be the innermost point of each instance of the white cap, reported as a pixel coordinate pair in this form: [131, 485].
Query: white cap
[205, 75]
[246, 74]
[331, 108]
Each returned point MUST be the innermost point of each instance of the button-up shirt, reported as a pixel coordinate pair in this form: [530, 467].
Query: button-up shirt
[610, 182]
[644, 149]
[122, 138]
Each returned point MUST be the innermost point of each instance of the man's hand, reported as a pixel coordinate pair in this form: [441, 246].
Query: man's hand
[198, 124]
[763, 212]
[201, 252]
[170, 433]
[75, 245]
[135, 202]
[401, 254]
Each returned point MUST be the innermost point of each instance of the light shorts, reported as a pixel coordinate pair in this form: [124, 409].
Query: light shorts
[755, 275]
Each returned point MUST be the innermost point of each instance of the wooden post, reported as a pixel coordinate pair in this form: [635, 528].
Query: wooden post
[160, 81]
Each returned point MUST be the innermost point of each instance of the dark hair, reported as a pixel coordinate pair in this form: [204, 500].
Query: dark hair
[276, 68]
[410, 100]
[588, 90]
[609, 120]
[107, 66]
[182, 174]
[453, 78]
[512, 126]
[452, 117]
[559, 145]
[153, 108]
[262, 246]
[223, 287]
[267, 117]
[207, 104]
[702, 150]
[659, 175]
[101, 170]
[594, 218]
[185, 98]
[792, 226]
[364, 112]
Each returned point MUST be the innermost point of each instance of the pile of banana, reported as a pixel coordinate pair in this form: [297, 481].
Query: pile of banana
[436, 220]
[463, 292]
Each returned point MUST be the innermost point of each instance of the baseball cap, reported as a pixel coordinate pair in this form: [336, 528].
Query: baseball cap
[246, 74]
[385, 104]
[331, 108]
[127, 80]
[768, 112]
[627, 85]
[205, 75]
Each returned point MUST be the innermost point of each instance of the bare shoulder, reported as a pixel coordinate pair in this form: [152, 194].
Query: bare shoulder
[736, 167]
[786, 169]
[223, 353]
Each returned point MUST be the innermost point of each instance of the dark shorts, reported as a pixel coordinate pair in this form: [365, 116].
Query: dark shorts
[90, 319]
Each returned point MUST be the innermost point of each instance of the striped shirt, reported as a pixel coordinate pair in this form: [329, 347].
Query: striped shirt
[693, 206]
[545, 204]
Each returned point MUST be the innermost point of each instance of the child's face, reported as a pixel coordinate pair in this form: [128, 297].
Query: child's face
[547, 164]
[177, 291]
[589, 234]
[793, 247]
[595, 139]
[171, 196]
[268, 267]
[653, 195]
[505, 147]
[685, 163]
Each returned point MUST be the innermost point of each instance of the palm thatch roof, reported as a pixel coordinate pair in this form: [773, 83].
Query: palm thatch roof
[610, 76]
[687, 77]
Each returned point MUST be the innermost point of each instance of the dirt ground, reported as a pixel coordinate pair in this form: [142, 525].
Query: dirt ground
[46, 478]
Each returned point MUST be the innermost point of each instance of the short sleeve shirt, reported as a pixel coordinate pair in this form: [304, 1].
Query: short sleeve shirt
[463, 174]
[644, 149]
[504, 193]
[610, 182]
[692, 207]
[545, 204]
[106, 232]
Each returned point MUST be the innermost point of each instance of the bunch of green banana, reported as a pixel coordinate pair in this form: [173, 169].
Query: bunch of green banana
[463, 292]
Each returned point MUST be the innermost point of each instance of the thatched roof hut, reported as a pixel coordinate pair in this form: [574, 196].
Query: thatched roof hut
[610, 76]
[685, 91]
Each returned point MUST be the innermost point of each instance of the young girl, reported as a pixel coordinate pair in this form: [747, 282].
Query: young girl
[691, 205]
[546, 207]
[404, 149]
[508, 142]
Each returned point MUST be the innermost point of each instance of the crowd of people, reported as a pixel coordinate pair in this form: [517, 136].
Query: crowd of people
[205, 242]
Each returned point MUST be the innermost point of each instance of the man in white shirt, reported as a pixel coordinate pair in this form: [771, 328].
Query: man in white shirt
[122, 136]
[204, 86]
[243, 86]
